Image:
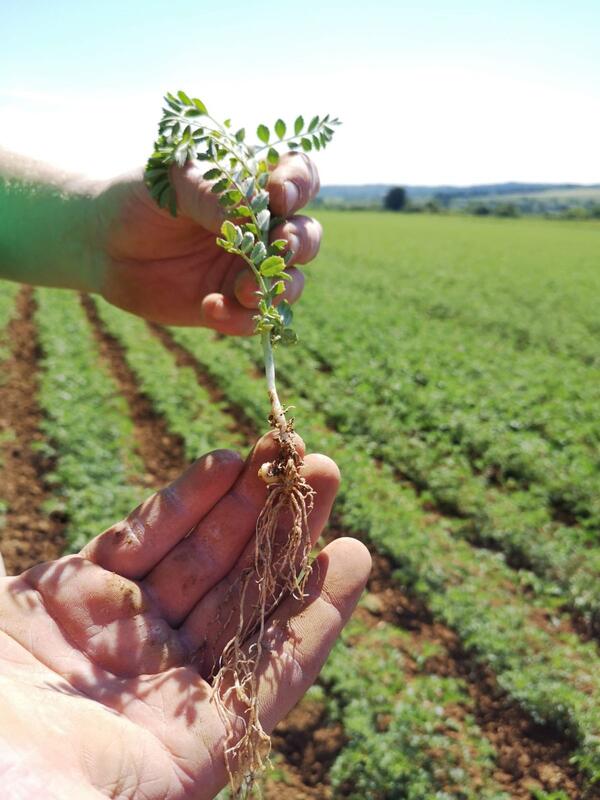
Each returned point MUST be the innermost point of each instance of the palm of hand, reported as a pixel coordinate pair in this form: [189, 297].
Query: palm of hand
[105, 657]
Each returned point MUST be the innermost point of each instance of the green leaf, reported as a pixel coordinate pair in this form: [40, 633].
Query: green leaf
[298, 125]
[263, 179]
[212, 174]
[280, 128]
[313, 124]
[272, 266]
[293, 145]
[229, 231]
[155, 172]
[263, 133]
[259, 251]
[184, 98]
[248, 188]
[199, 105]
[220, 186]
[247, 242]
[239, 136]
[279, 244]
[288, 336]
[260, 202]
[158, 187]
[173, 104]
[272, 156]
[306, 145]
[243, 211]
[230, 198]
[286, 312]
[278, 288]
[163, 196]
[227, 123]
[316, 142]
[263, 218]
[173, 202]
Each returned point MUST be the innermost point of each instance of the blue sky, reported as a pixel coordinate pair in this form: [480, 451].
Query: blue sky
[435, 92]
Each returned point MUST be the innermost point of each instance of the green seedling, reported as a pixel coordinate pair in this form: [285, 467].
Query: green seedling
[240, 175]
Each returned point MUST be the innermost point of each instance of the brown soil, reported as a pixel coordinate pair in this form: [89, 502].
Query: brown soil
[240, 421]
[29, 535]
[310, 744]
[161, 451]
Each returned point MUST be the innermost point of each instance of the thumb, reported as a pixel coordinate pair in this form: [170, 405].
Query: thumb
[195, 198]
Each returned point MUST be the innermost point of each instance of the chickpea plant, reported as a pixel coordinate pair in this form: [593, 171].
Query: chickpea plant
[240, 171]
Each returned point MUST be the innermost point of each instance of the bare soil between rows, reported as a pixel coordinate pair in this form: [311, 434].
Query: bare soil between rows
[529, 756]
[29, 534]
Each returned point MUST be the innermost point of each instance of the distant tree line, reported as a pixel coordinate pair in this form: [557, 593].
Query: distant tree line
[397, 200]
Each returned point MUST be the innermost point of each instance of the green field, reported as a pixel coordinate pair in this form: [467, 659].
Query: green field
[451, 366]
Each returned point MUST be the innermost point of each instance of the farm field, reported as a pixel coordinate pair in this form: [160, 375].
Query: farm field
[451, 367]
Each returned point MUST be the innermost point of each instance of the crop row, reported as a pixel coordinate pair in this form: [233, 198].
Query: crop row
[174, 390]
[516, 522]
[411, 734]
[534, 654]
[531, 283]
[518, 421]
[86, 423]
[467, 397]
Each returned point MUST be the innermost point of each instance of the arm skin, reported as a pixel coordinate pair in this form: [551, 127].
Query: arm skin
[106, 656]
[111, 238]
[46, 219]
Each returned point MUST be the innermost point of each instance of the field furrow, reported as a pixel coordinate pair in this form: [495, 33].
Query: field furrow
[86, 423]
[189, 411]
[8, 294]
[29, 533]
[535, 653]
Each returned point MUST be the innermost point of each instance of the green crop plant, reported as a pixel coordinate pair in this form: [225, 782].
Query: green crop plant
[240, 174]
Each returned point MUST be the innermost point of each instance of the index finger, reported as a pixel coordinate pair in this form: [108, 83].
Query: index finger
[293, 183]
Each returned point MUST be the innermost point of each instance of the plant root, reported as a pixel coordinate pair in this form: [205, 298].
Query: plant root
[281, 567]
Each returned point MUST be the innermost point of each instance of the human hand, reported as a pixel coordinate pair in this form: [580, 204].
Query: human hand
[170, 270]
[105, 656]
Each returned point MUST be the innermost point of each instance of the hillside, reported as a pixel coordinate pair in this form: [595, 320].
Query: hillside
[539, 196]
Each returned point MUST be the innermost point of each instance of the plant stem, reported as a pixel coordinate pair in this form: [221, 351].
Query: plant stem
[276, 408]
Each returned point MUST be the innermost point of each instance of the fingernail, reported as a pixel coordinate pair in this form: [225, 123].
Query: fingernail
[220, 313]
[291, 195]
